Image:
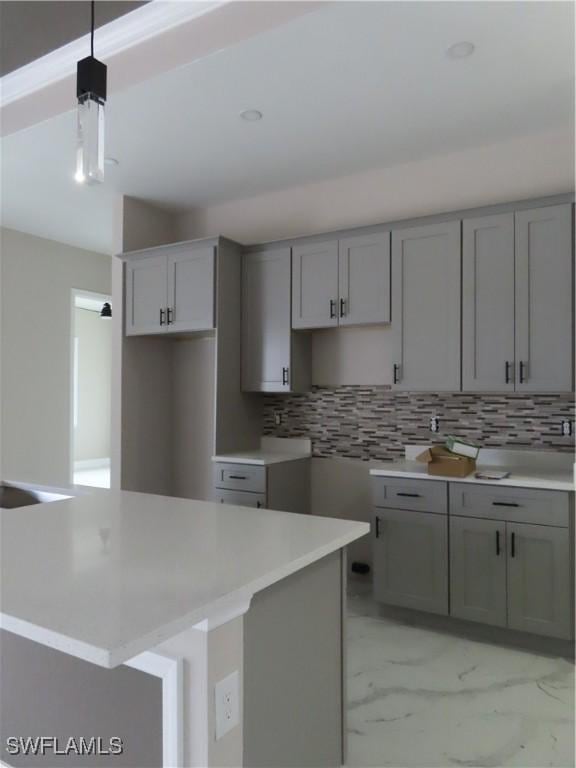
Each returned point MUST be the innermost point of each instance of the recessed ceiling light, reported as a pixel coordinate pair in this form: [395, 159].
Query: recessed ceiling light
[460, 50]
[111, 161]
[251, 115]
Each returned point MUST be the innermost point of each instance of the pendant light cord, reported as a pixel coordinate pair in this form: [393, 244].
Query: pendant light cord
[92, 4]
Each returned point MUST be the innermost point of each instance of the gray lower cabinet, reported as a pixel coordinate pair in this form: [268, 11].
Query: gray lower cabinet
[539, 580]
[544, 299]
[488, 303]
[411, 559]
[478, 570]
[282, 485]
[425, 333]
[274, 358]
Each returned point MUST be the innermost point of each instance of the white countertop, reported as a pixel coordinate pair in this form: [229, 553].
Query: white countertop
[272, 450]
[260, 458]
[528, 469]
[106, 576]
[520, 477]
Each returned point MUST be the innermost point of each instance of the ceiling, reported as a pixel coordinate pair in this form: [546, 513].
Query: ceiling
[353, 86]
[31, 28]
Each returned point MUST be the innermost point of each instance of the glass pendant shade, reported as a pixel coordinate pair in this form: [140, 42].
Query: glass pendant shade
[90, 140]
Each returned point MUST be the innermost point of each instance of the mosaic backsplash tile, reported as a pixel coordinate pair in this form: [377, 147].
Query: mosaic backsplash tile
[375, 423]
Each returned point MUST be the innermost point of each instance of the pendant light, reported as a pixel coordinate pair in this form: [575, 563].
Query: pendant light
[91, 95]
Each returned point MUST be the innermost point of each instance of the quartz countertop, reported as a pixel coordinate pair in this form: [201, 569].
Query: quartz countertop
[528, 469]
[260, 458]
[109, 575]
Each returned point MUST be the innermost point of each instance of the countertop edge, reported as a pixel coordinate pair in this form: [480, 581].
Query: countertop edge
[114, 657]
[543, 483]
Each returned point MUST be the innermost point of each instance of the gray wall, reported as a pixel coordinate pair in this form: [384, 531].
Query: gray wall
[92, 433]
[36, 282]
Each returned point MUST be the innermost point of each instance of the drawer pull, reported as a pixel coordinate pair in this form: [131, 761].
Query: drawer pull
[497, 543]
[237, 477]
[409, 495]
[513, 545]
[505, 504]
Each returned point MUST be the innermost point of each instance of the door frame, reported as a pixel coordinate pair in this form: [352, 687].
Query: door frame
[76, 293]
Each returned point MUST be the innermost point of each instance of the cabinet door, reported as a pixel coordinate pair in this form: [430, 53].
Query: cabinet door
[426, 300]
[240, 498]
[411, 559]
[544, 320]
[191, 289]
[539, 580]
[146, 296]
[266, 330]
[478, 570]
[364, 279]
[315, 285]
[488, 304]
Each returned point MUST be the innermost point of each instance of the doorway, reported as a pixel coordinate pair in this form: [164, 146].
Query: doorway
[91, 389]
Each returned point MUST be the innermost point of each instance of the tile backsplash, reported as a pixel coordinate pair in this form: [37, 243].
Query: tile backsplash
[369, 423]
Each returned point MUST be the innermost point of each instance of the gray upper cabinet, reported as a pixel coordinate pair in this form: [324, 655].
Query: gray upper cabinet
[191, 289]
[274, 359]
[425, 333]
[315, 285]
[544, 286]
[146, 299]
[411, 559]
[170, 289]
[539, 580]
[488, 303]
[478, 570]
[364, 279]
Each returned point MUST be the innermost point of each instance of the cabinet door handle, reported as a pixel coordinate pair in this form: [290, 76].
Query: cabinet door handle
[161, 317]
[284, 376]
[377, 527]
[342, 307]
[258, 504]
[396, 369]
[410, 495]
[507, 371]
[497, 543]
[522, 367]
[170, 316]
[332, 308]
[237, 477]
[513, 545]
[505, 504]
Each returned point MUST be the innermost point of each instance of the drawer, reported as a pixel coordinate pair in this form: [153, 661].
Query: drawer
[240, 477]
[516, 505]
[417, 495]
[240, 498]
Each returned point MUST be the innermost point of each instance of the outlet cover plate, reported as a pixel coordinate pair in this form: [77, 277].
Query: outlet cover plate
[227, 704]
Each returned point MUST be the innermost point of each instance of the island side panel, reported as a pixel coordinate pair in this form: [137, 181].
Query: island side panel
[44, 692]
[293, 670]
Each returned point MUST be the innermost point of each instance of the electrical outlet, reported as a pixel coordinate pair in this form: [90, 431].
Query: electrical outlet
[434, 424]
[566, 428]
[277, 418]
[227, 704]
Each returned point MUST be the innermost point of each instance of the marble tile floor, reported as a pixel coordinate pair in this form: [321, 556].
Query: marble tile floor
[420, 697]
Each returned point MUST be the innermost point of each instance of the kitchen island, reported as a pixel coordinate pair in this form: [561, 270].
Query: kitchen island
[148, 602]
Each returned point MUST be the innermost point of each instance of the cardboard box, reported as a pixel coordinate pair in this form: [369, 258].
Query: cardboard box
[441, 462]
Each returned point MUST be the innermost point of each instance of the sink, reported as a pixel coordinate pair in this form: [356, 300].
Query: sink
[13, 496]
